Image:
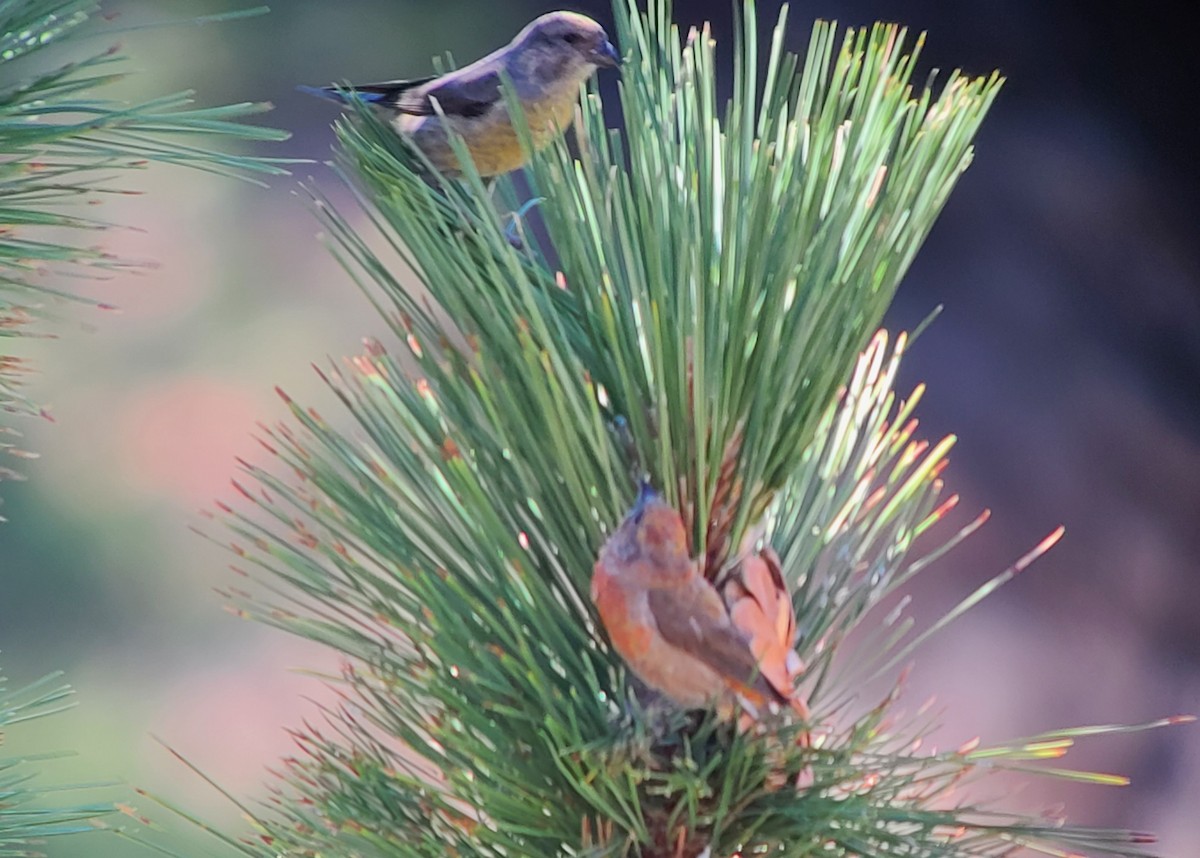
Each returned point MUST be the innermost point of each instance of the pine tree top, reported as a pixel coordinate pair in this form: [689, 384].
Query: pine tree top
[695, 301]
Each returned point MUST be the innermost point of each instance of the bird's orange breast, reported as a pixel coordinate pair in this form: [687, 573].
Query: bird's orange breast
[629, 634]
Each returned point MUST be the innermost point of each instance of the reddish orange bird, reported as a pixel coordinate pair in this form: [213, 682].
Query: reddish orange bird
[671, 625]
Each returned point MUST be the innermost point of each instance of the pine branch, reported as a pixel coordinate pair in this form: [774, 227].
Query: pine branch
[62, 145]
[26, 818]
[704, 311]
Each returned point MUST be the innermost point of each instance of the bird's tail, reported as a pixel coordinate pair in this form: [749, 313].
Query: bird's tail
[341, 95]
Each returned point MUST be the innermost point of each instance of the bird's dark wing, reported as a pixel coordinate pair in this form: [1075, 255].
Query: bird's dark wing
[457, 95]
[468, 93]
[689, 620]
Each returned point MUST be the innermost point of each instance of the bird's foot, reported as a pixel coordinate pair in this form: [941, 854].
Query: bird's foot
[514, 233]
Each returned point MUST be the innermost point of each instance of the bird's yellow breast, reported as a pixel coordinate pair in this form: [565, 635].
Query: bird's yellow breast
[491, 138]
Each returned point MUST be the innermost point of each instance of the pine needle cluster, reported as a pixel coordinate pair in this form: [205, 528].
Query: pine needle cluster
[29, 812]
[63, 145]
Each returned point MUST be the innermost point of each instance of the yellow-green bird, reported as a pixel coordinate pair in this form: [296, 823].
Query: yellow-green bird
[546, 63]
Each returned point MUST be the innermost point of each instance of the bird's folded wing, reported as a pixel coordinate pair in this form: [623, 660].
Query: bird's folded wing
[457, 95]
[686, 620]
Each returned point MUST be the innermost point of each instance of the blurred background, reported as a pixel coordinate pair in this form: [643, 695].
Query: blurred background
[1067, 361]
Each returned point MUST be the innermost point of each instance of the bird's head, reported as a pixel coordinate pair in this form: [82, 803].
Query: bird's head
[566, 44]
[652, 534]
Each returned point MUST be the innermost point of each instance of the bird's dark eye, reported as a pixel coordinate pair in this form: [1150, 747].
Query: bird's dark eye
[573, 38]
